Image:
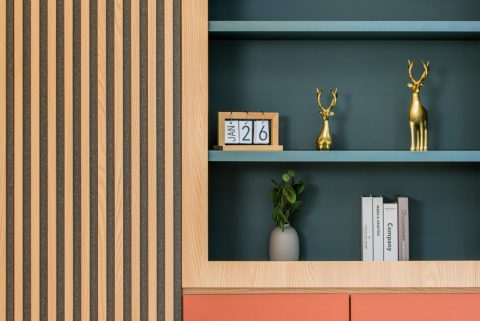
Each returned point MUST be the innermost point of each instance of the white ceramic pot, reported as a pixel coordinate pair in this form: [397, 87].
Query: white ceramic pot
[284, 245]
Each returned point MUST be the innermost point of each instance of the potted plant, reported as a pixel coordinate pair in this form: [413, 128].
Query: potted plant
[284, 244]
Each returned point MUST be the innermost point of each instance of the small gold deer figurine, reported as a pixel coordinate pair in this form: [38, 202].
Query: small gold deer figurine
[324, 140]
[418, 113]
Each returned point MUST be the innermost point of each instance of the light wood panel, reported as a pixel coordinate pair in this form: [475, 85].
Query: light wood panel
[135, 149]
[35, 161]
[102, 161]
[118, 117]
[407, 274]
[332, 290]
[168, 172]
[85, 158]
[68, 176]
[152, 161]
[18, 162]
[194, 151]
[52, 161]
[3, 157]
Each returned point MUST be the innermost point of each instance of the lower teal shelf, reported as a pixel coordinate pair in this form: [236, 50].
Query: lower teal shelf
[347, 156]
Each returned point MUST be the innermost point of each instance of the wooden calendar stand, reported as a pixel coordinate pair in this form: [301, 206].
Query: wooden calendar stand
[231, 138]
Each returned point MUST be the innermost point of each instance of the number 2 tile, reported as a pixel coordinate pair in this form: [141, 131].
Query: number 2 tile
[246, 131]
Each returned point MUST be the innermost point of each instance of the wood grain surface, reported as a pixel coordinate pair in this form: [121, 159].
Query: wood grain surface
[54, 123]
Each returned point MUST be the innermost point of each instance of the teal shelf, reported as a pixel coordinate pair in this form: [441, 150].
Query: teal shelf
[344, 29]
[347, 156]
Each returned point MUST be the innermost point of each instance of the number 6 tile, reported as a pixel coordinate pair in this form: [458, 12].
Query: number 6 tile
[261, 132]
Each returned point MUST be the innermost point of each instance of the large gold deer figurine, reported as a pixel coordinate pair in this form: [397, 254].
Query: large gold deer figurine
[418, 113]
[324, 140]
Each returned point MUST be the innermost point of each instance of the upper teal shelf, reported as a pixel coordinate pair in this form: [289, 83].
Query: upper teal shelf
[344, 29]
[347, 156]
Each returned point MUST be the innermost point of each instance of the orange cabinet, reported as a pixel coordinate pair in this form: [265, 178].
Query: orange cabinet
[415, 307]
[265, 307]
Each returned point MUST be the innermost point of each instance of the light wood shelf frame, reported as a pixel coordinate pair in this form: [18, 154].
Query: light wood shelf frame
[199, 275]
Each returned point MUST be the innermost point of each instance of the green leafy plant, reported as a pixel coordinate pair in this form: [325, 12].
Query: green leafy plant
[284, 197]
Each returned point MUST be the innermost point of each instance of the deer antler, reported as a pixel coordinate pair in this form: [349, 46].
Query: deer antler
[334, 93]
[426, 68]
[319, 94]
[332, 103]
[424, 75]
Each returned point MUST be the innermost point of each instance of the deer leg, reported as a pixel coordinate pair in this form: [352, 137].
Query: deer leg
[425, 140]
[422, 136]
[417, 138]
[412, 136]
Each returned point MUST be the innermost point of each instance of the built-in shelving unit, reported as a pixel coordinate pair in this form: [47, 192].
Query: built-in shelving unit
[344, 29]
[271, 55]
[347, 156]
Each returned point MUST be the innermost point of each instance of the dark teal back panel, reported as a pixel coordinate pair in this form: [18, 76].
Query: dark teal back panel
[371, 76]
[371, 114]
[344, 10]
[444, 212]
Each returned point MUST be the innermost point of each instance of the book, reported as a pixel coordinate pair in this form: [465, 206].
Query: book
[367, 228]
[377, 205]
[390, 231]
[403, 226]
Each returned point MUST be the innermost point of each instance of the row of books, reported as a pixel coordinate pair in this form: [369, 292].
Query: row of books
[385, 229]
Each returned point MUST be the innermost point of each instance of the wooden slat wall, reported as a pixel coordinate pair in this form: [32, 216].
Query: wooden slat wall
[61, 112]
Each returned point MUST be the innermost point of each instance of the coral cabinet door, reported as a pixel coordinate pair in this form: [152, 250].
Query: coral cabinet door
[416, 307]
[266, 307]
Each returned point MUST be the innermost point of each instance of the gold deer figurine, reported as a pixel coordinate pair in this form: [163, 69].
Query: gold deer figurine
[418, 113]
[324, 140]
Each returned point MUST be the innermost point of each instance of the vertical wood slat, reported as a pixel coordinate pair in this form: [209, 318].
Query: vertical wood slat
[18, 161]
[35, 161]
[68, 119]
[3, 148]
[52, 166]
[135, 150]
[102, 161]
[168, 94]
[152, 164]
[118, 141]
[85, 159]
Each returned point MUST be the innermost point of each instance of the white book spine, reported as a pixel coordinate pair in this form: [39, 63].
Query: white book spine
[403, 233]
[390, 223]
[367, 229]
[378, 228]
